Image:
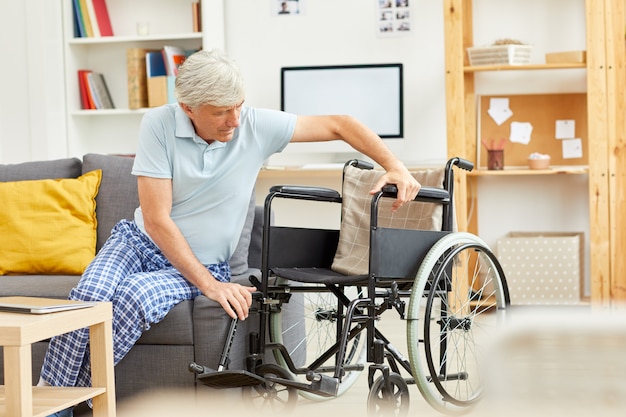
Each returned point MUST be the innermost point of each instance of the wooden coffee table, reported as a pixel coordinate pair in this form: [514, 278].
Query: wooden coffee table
[19, 331]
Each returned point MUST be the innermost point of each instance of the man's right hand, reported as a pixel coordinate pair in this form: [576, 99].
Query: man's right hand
[235, 299]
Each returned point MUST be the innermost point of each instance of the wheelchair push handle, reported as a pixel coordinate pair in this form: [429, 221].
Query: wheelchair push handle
[464, 164]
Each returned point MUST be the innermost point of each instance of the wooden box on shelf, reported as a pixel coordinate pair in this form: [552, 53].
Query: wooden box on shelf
[566, 57]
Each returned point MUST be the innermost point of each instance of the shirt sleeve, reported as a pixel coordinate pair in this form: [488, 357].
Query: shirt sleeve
[151, 159]
[274, 129]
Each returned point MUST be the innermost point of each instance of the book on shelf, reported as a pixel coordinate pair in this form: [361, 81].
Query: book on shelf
[155, 65]
[136, 77]
[83, 88]
[89, 102]
[84, 13]
[161, 90]
[160, 85]
[91, 13]
[196, 15]
[91, 18]
[79, 26]
[173, 56]
[100, 91]
[102, 17]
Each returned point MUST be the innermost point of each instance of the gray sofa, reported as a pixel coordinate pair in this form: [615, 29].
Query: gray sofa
[192, 331]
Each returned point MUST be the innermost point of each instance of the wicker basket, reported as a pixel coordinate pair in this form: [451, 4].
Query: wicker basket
[500, 54]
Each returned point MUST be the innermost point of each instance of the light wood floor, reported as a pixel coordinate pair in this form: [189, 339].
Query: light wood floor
[553, 363]
[350, 404]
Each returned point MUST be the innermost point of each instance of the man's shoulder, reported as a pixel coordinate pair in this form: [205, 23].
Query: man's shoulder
[166, 110]
[261, 113]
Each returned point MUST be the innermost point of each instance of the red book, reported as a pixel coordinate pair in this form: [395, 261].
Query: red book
[84, 89]
[90, 99]
[102, 15]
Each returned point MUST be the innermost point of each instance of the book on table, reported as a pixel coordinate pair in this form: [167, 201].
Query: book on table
[36, 305]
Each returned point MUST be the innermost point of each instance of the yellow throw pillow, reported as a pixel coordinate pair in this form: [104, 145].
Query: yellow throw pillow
[352, 255]
[48, 226]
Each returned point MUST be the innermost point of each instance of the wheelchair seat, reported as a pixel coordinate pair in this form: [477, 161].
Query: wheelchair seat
[315, 275]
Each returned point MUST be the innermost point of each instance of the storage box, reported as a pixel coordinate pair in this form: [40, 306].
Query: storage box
[566, 57]
[543, 268]
[500, 54]
[161, 90]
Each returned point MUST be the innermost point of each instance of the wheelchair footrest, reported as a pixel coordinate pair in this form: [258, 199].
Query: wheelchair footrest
[230, 379]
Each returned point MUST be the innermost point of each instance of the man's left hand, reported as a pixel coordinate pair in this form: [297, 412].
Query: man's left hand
[408, 187]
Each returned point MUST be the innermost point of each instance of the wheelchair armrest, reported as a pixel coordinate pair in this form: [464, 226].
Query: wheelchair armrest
[304, 192]
[426, 194]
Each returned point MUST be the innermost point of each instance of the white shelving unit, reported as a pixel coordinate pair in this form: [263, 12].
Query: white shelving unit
[169, 23]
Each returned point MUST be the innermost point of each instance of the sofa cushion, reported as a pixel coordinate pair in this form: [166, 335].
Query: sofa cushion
[48, 226]
[175, 329]
[352, 255]
[118, 196]
[47, 286]
[60, 168]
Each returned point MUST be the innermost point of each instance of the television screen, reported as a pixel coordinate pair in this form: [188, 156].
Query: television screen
[371, 93]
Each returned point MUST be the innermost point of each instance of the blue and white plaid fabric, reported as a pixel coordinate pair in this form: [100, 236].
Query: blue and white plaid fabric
[132, 273]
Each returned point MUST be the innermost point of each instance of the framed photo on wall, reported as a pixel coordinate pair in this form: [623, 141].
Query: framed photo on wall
[287, 7]
[393, 17]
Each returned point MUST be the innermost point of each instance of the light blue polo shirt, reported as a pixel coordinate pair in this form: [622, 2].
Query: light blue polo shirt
[211, 184]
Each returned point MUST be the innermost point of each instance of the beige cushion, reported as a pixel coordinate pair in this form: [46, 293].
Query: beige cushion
[352, 256]
[48, 226]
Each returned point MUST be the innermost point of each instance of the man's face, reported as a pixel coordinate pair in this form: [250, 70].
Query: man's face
[214, 123]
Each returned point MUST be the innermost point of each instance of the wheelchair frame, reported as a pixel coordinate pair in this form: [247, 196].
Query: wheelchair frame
[387, 286]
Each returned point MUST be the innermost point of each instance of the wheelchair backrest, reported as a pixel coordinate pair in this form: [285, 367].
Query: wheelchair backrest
[352, 256]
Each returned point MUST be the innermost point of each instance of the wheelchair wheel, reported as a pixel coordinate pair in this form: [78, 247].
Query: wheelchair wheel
[456, 306]
[271, 396]
[320, 321]
[390, 399]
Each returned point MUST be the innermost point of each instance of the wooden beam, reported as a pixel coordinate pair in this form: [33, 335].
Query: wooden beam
[597, 151]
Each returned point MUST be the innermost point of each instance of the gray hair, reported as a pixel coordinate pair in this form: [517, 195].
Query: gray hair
[209, 77]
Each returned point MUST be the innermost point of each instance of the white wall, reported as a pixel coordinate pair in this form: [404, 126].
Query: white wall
[343, 32]
[32, 116]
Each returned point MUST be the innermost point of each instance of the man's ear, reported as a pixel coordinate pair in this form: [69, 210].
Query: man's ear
[186, 109]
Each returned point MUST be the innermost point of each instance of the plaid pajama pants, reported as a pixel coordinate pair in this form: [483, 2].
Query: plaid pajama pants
[131, 272]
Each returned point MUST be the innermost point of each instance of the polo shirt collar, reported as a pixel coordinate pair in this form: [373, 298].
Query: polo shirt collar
[184, 127]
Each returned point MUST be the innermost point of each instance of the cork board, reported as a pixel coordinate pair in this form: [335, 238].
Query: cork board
[542, 111]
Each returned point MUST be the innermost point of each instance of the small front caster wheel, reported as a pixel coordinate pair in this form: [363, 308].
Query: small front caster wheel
[388, 397]
[271, 396]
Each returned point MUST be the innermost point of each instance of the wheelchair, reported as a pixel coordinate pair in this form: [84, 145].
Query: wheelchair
[447, 286]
